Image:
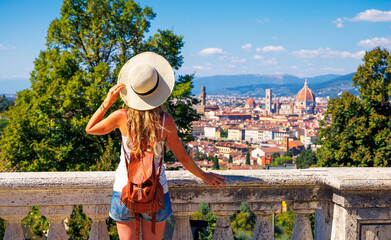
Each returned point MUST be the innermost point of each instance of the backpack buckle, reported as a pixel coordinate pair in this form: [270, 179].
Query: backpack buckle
[161, 201]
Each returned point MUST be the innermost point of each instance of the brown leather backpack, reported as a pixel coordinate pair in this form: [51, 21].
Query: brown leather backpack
[143, 193]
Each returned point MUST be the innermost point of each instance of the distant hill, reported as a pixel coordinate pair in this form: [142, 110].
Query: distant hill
[250, 84]
[282, 85]
[218, 82]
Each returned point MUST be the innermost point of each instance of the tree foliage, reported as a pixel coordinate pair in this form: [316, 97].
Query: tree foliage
[248, 161]
[284, 223]
[230, 160]
[3, 123]
[86, 48]
[216, 165]
[5, 104]
[360, 132]
[243, 222]
[282, 160]
[306, 159]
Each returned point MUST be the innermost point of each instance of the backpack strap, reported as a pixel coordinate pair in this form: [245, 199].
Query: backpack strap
[163, 146]
[126, 158]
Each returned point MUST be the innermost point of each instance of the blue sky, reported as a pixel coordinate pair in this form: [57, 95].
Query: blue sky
[302, 38]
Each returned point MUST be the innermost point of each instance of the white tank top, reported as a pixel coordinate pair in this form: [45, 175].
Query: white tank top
[121, 176]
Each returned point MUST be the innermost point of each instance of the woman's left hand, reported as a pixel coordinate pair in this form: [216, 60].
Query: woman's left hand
[213, 179]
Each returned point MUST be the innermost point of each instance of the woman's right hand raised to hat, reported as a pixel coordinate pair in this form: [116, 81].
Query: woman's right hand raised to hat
[113, 94]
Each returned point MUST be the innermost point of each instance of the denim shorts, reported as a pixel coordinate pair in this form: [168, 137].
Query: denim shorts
[119, 212]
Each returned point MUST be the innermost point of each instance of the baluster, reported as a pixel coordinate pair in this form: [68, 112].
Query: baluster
[182, 212]
[223, 212]
[14, 216]
[263, 227]
[56, 215]
[98, 213]
[302, 229]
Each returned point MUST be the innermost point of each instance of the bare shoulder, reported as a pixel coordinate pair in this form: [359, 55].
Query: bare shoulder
[169, 122]
[120, 114]
[121, 117]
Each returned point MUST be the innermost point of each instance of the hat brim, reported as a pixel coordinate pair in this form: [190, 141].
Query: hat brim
[161, 93]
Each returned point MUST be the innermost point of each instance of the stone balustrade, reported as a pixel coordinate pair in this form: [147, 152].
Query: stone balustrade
[349, 203]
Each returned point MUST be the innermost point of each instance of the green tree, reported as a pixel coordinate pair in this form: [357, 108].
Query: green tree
[306, 159]
[275, 155]
[216, 163]
[86, 48]
[3, 123]
[248, 161]
[224, 133]
[360, 131]
[285, 222]
[5, 104]
[288, 153]
[243, 222]
[283, 160]
[230, 160]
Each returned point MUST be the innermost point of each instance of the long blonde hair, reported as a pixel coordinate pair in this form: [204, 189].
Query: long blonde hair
[144, 130]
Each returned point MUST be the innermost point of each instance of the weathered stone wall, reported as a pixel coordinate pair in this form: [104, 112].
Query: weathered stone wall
[350, 203]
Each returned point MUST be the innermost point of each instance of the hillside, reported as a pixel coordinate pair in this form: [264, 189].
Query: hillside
[250, 84]
[282, 85]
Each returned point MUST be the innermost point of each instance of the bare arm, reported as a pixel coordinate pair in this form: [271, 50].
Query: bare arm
[97, 126]
[180, 153]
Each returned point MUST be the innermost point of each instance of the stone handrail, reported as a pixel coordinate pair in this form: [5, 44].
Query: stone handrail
[350, 203]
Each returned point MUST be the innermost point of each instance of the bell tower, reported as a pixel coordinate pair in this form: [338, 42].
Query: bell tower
[268, 101]
[203, 96]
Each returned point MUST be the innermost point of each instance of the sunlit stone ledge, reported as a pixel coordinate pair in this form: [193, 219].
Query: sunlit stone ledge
[350, 203]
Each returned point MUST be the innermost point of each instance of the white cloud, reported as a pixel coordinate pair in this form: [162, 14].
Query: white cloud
[275, 38]
[237, 60]
[263, 20]
[256, 57]
[327, 53]
[373, 15]
[210, 51]
[247, 47]
[339, 22]
[369, 15]
[272, 61]
[374, 42]
[4, 48]
[16, 76]
[334, 70]
[200, 67]
[271, 49]
[294, 67]
[221, 58]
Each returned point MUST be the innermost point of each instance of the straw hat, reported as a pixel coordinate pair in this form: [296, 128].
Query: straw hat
[149, 80]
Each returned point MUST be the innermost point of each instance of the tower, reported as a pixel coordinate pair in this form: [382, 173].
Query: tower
[286, 144]
[203, 96]
[268, 101]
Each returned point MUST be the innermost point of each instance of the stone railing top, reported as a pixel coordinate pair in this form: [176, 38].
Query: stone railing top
[358, 179]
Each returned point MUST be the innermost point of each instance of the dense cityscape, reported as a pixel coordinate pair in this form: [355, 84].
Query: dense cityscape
[259, 129]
